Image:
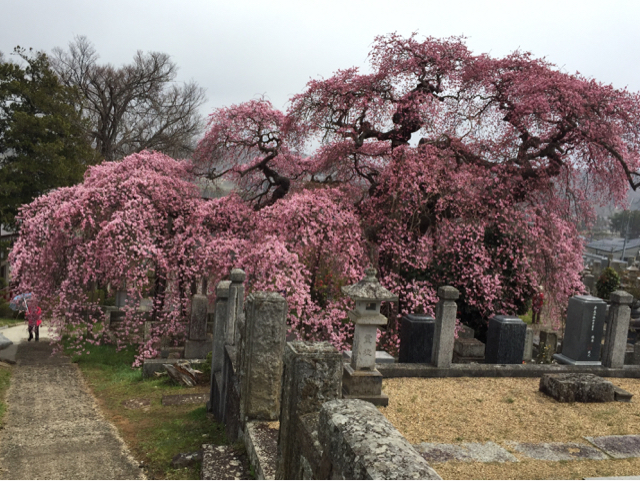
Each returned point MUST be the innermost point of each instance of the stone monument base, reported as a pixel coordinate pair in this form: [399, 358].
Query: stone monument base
[365, 385]
[562, 359]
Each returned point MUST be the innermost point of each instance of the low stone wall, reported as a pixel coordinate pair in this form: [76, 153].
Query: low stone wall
[351, 439]
[501, 370]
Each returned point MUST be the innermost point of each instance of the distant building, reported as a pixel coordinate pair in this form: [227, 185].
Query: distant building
[613, 247]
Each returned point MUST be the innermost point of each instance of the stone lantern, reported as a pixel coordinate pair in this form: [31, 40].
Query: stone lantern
[361, 379]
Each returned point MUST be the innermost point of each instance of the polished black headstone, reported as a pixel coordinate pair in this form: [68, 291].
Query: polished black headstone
[583, 331]
[505, 340]
[416, 338]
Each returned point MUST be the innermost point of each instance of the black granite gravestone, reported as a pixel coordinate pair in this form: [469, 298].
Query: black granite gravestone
[505, 340]
[416, 338]
[583, 331]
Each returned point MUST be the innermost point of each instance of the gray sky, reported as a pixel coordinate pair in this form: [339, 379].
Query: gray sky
[240, 50]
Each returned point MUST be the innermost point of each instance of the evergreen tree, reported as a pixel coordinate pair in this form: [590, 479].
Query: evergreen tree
[41, 144]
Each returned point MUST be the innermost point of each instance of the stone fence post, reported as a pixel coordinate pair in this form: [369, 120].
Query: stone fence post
[216, 399]
[444, 334]
[235, 319]
[312, 376]
[262, 350]
[615, 341]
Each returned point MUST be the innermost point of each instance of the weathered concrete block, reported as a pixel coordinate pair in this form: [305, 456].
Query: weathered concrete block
[468, 347]
[312, 376]
[363, 444]
[262, 356]
[577, 388]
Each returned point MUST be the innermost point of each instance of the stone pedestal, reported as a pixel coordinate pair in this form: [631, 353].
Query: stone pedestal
[505, 340]
[444, 333]
[583, 331]
[615, 339]
[467, 350]
[416, 338]
[365, 385]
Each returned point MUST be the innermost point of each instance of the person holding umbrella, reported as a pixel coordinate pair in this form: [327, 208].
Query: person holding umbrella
[33, 318]
[33, 312]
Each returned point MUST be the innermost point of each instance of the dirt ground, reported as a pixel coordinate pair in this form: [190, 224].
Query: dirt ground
[456, 410]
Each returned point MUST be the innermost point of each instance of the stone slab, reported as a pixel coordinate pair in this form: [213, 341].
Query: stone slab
[180, 399]
[382, 357]
[261, 441]
[465, 452]
[4, 342]
[224, 462]
[557, 451]
[621, 395]
[618, 447]
[577, 388]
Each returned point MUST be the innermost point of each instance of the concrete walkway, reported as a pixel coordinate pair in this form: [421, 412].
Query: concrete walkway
[53, 428]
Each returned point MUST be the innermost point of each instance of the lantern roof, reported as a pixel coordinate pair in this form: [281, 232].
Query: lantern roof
[369, 289]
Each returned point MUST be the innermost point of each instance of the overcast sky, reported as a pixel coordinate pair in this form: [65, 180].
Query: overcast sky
[239, 50]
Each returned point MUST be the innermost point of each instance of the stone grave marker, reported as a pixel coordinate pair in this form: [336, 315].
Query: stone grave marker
[197, 345]
[583, 331]
[505, 340]
[416, 338]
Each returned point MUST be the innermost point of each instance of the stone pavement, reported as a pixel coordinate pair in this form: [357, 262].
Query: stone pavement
[53, 428]
[597, 448]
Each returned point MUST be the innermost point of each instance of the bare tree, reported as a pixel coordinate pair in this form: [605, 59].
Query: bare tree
[132, 108]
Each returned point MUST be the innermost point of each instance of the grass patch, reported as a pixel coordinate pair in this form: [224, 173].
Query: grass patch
[10, 321]
[5, 379]
[154, 433]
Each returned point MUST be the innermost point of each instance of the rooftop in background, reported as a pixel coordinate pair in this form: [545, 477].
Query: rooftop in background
[613, 245]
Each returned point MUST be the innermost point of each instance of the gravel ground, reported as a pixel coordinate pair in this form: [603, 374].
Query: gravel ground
[457, 410]
[53, 428]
